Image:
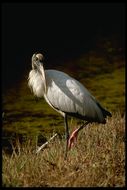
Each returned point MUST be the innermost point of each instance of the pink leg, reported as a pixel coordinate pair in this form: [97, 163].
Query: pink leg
[73, 138]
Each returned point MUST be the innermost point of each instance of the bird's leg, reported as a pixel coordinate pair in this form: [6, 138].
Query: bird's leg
[66, 134]
[74, 134]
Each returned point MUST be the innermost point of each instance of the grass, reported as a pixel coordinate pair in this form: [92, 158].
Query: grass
[97, 160]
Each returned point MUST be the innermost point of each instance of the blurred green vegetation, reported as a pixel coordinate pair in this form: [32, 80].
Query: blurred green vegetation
[103, 75]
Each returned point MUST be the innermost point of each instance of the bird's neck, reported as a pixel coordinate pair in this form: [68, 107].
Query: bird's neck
[36, 82]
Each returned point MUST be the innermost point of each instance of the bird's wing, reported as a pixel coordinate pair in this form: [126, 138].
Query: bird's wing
[68, 95]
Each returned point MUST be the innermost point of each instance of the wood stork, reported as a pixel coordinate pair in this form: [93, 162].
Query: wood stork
[65, 95]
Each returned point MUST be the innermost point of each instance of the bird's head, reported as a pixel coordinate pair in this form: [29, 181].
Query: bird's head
[37, 61]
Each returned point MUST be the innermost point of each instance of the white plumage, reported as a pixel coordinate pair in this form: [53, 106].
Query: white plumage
[64, 94]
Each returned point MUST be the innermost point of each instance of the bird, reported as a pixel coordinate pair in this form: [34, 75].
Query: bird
[65, 95]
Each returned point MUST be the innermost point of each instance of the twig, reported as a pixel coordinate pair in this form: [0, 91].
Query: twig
[44, 145]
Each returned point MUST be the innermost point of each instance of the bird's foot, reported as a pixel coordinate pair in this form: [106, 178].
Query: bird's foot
[73, 138]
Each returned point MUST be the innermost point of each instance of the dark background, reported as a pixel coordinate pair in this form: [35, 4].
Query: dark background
[59, 31]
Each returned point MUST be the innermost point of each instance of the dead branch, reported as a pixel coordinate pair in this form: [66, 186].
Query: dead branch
[45, 144]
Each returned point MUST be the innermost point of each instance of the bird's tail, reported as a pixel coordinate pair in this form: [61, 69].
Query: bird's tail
[105, 112]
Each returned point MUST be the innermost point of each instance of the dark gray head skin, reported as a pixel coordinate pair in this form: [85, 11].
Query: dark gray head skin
[36, 59]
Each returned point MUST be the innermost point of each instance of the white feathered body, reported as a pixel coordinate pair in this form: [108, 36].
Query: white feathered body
[66, 95]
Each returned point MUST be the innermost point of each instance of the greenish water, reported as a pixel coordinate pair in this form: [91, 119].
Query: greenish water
[26, 116]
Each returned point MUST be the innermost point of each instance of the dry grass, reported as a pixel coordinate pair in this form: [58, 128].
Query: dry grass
[98, 160]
